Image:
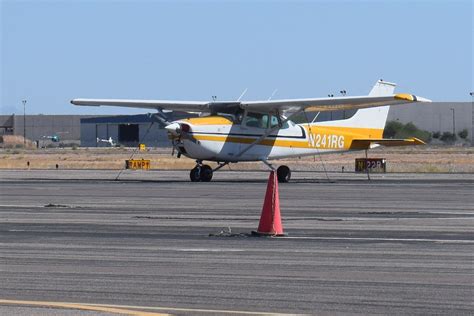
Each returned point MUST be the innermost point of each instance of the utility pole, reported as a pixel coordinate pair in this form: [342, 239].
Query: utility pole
[330, 112]
[24, 123]
[472, 105]
[343, 93]
[454, 122]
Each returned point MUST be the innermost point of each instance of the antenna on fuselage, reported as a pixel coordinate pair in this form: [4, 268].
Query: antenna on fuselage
[273, 93]
[243, 93]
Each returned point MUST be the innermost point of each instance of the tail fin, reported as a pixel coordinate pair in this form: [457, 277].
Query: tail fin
[373, 118]
[382, 88]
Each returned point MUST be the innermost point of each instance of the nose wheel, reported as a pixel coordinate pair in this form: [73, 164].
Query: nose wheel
[201, 173]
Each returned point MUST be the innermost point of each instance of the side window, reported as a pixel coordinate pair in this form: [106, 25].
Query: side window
[256, 120]
[274, 122]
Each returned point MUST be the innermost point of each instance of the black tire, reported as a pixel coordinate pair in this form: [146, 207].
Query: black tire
[206, 173]
[283, 174]
[194, 175]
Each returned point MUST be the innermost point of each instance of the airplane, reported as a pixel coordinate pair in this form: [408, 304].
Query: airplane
[109, 141]
[54, 138]
[237, 131]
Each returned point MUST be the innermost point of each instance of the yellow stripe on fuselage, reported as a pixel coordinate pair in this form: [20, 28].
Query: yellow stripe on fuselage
[209, 120]
[323, 137]
[344, 131]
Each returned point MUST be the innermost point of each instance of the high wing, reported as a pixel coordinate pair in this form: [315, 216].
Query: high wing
[188, 106]
[317, 104]
[331, 104]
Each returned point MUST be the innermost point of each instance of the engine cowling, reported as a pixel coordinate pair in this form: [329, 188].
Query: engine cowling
[177, 130]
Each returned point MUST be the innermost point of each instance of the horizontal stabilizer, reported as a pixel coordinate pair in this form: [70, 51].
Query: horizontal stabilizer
[374, 142]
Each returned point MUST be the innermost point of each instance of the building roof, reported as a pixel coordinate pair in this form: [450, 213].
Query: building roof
[132, 119]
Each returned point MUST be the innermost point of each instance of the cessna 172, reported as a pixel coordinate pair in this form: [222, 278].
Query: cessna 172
[233, 131]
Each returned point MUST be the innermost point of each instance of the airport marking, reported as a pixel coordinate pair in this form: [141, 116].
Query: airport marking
[116, 309]
[455, 241]
[133, 310]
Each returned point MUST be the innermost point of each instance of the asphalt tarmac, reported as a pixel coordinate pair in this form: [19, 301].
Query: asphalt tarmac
[399, 244]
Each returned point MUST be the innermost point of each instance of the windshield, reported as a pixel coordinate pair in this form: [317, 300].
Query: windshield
[259, 120]
[234, 114]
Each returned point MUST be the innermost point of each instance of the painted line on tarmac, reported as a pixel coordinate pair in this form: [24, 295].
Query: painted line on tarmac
[81, 306]
[197, 310]
[454, 241]
[134, 310]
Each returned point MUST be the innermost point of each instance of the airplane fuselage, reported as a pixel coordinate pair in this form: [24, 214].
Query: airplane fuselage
[218, 138]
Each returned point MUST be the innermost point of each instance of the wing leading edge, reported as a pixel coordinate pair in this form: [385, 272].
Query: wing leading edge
[332, 104]
[317, 104]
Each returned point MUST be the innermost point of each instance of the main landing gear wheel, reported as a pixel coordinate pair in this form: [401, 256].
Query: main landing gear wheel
[195, 174]
[283, 174]
[201, 173]
[206, 173]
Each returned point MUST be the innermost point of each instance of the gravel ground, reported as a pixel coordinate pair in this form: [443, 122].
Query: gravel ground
[421, 159]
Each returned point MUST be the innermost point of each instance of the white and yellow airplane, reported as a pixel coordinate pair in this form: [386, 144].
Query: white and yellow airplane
[233, 131]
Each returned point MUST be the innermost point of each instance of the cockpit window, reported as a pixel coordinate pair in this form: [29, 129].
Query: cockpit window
[275, 122]
[256, 120]
[265, 121]
[233, 114]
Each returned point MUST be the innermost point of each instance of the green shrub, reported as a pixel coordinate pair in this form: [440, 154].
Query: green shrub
[436, 135]
[463, 134]
[448, 137]
[394, 129]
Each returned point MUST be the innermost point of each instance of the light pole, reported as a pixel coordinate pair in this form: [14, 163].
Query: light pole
[343, 93]
[454, 122]
[330, 112]
[472, 105]
[24, 123]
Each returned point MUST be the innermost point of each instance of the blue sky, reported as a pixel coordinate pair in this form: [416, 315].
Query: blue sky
[53, 51]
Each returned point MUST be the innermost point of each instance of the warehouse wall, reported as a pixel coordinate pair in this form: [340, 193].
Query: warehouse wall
[436, 116]
[156, 136]
[37, 126]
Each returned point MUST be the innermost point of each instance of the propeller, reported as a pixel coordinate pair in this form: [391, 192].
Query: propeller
[177, 132]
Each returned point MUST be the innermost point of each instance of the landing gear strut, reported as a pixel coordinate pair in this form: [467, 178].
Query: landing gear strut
[201, 173]
[283, 174]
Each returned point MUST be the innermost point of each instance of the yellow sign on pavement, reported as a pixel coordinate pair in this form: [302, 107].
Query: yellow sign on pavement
[137, 164]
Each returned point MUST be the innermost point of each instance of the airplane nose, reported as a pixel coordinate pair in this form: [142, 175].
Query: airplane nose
[174, 129]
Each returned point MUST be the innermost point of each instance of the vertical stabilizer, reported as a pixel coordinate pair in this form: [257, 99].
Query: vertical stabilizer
[382, 88]
[374, 118]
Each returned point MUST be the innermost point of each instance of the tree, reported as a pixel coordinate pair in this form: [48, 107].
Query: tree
[463, 134]
[448, 137]
[394, 129]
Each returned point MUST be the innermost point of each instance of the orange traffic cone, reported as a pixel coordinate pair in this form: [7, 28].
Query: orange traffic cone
[270, 220]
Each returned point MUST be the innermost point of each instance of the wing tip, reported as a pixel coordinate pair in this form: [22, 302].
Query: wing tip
[83, 102]
[410, 97]
[417, 141]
